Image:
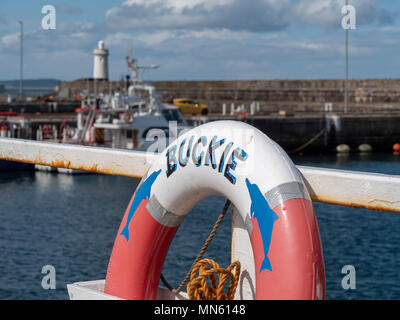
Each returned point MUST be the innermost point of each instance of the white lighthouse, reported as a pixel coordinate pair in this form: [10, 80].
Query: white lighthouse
[100, 69]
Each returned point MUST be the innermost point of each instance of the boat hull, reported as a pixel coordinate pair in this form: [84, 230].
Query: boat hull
[6, 165]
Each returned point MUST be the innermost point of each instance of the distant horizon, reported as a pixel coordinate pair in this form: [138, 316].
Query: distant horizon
[206, 80]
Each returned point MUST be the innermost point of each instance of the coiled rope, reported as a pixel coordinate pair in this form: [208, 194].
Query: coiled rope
[198, 288]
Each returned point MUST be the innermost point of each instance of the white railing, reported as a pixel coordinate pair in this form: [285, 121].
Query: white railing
[348, 188]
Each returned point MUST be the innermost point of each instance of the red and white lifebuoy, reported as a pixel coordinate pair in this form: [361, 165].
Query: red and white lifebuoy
[239, 162]
[47, 130]
[128, 117]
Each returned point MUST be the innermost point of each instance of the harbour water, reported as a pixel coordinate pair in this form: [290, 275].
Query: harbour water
[70, 222]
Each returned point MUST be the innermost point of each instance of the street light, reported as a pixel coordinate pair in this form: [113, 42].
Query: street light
[21, 60]
[346, 83]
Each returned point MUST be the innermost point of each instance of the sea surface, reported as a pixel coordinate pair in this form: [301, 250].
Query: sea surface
[70, 223]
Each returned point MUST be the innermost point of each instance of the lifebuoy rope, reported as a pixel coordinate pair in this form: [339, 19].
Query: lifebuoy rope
[312, 140]
[197, 288]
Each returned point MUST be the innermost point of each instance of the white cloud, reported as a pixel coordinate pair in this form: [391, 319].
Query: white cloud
[155, 38]
[67, 9]
[255, 15]
[117, 39]
[68, 36]
[178, 5]
[258, 15]
[327, 13]
[10, 39]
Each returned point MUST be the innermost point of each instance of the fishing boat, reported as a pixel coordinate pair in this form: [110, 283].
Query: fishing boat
[125, 118]
[131, 119]
[14, 127]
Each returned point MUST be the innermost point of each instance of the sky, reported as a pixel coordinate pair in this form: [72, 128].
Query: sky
[203, 39]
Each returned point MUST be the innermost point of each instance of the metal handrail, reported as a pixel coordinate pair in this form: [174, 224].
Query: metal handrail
[341, 187]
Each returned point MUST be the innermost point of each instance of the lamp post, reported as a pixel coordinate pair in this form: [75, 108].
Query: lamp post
[346, 82]
[21, 60]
